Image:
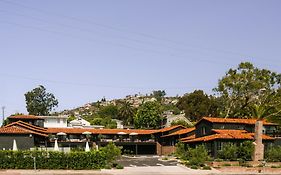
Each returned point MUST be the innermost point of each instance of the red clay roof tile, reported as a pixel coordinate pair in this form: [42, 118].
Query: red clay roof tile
[180, 132]
[30, 117]
[234, 120]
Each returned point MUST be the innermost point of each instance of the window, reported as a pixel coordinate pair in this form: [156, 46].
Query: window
[220, 144]
[203, 130]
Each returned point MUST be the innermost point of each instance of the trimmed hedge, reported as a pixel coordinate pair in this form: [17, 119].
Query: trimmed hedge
[58, 160]
[52, 160]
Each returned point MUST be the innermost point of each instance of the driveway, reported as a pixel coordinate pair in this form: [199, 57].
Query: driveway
[145, 161]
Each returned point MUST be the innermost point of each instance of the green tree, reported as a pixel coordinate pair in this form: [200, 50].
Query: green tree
[108, 111]
[159, 94]
[197, 104]
[148, 115]
[182, 122]
[40, 102]
[243, 89]
[127, 113]
[70, 118]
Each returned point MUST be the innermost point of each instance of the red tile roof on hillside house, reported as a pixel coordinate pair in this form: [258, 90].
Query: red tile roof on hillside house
[169, 128]
[180, 132]
[234, 120]
[19, 130]
[99, 131]
[29, 117]
[229, 136]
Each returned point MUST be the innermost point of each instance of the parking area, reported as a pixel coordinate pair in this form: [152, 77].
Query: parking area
[145, 161]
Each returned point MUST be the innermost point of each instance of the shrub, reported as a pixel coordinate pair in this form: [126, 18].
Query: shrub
[194, 167]
[273, 154]
[198, 156]
[119, 166]
[245, 150]
[181, 152]
[207, 168]
[226, 164]
[112, 152]
[228, 152]
[58, 160]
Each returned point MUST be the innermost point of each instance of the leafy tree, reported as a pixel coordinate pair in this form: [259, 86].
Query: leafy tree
[242, 91]
[108, 111]
[40, 102]
[6, 122]
[171, 107]
[197, 104]
[107, 122]
[126, 113]
[181, 122]
[159, 94]
[148, 115]
[70, 118]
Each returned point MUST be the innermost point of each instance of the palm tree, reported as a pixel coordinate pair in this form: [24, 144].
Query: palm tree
[127, 113]
[266, 105]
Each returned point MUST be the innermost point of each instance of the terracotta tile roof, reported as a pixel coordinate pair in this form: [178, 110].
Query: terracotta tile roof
[30, 117]
[234, 120]
[228, 131]
[188, 138]
[240, 136]
[19, 130]
[99, 131]
[180, 132]
[27, 126]
[169, 128]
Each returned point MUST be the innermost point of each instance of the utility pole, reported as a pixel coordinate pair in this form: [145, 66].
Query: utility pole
[3, 114]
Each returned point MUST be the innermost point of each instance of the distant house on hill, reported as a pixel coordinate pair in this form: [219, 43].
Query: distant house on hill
[79, 122]
[170, 117]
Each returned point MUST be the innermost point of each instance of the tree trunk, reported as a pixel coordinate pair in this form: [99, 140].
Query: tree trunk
[258, 154]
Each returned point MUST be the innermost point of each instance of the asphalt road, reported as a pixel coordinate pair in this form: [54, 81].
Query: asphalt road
[145, 161]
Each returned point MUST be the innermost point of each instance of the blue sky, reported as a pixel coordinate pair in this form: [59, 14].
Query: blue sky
[85, 50]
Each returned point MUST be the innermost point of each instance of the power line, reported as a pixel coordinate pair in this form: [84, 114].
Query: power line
[90, 31]
[116, 44]
[110, 27]
[92, 84]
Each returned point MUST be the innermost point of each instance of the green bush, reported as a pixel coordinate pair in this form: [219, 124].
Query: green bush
[198, 156]
[226, 164]
[112, 152]
[119, 166]
[207, 168]
[181, 152]
[228, 152]
[194, 167]
[273, 154]
[58, 160]
[245, 150]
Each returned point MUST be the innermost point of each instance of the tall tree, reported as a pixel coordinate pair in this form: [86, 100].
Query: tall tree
[159, 94]
[127, 113]
[244, 87]
[148, 115]
[40, 102]
[197, 104]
